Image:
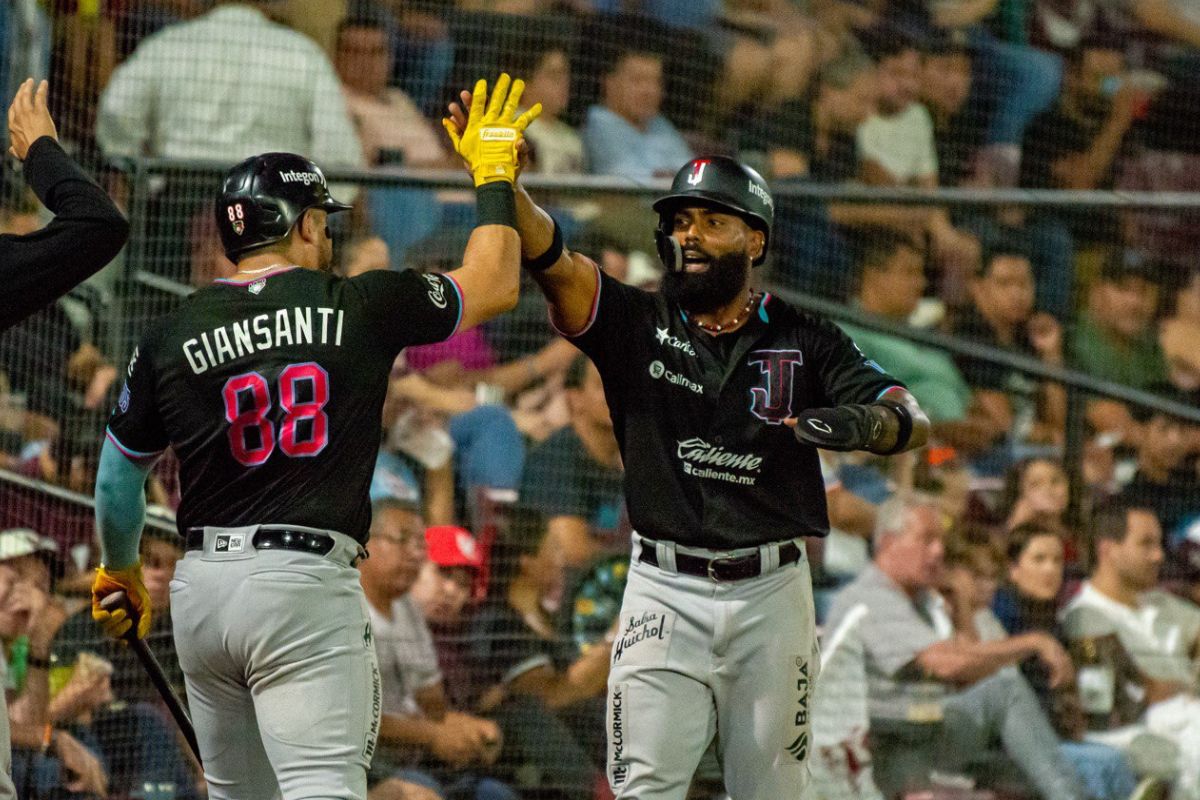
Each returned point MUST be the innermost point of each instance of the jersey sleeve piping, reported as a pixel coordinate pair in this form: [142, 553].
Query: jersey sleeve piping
[461, 302]
[130, 453]
[891, 388]
[591, 320]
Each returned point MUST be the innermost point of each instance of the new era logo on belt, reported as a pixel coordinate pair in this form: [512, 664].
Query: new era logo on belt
[230, 543]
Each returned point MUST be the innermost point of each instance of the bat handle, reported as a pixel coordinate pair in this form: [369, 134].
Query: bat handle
[118, 600]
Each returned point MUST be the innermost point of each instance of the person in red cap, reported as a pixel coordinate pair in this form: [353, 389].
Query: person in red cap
[448, 576]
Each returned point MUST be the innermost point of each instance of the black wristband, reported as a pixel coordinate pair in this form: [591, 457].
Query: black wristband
[906, 427]
[37, 663]
[549, 258]
[495, 204]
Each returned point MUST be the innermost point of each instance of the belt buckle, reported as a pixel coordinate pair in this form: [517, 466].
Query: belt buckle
[715, 563]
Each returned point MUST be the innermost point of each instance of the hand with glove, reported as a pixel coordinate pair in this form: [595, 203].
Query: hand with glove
[884, 428]
[490, 140]
[129, 580]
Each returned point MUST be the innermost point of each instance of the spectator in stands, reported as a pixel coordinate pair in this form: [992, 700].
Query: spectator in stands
[627, 135]
[556, 148]
[444, 592]
[391, 127]
[972, 569]
[1166, 483]
[1179, 336]
[895, 145]
[548, 698]
[1001, 315]
[914, 660]
[1120, 614]
[139, 742]
[1077, 144]
[1114, 341]
[48, 759]
[1029, 599]
[814, 137]
[1037, 492]
[417, 721]
[890, 284]
[226, 85]
[574, 478]
[945, 87]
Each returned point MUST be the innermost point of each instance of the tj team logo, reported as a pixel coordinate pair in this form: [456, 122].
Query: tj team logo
[697, 173]
[773, 403]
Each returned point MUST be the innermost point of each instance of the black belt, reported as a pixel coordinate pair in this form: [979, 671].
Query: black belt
[721, 568]
[271, 539]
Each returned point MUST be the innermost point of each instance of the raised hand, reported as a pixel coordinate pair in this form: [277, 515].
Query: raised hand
[489, 139]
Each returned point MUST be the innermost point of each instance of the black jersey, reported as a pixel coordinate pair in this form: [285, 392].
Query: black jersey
[271, 392]
[708, 460]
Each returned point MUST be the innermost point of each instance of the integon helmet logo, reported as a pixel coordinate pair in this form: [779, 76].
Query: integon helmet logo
[761, 194]
[307, 178]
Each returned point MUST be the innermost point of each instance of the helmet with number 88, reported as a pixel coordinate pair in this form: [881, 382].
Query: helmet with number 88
[262, 198]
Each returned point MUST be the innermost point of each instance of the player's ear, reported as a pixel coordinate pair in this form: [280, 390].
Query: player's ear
[758, 242]
[310, 226]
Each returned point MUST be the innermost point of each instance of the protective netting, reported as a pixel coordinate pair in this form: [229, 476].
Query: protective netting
[977, 302]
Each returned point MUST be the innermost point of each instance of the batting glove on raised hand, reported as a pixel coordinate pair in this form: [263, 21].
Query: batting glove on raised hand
[129, 580]
[489, 142]
[843, 428]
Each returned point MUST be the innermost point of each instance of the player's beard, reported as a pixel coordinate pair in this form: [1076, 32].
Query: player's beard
[711, 289]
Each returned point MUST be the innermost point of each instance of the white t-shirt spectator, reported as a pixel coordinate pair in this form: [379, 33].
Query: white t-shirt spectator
[407, 661]
[902, 144]
[227, 85]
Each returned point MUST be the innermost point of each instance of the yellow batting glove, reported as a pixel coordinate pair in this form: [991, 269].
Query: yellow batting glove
[129, 580]
[489, 142]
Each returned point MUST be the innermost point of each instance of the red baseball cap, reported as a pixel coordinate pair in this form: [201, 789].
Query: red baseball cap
[451, 546]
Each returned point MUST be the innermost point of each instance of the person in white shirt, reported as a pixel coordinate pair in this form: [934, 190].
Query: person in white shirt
[1158, 631]
[417, 721]
[896, 147]
[226, 86]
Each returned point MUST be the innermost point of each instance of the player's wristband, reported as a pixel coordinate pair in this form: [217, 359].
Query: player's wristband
[549, 258]
[906, 427]
[495, 204]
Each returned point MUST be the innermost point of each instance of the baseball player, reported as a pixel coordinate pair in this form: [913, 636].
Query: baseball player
[269, 386]
[719, 395]
[87, 231]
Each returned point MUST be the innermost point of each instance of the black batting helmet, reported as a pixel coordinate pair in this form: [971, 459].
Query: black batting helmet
[262, 198]
[717, 181]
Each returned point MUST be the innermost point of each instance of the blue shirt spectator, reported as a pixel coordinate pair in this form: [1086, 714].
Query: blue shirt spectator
[628, 135]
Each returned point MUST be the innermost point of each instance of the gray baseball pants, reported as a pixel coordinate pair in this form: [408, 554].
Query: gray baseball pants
[696, 659]
[282, 681]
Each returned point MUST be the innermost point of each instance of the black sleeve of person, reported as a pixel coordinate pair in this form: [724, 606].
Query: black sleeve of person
[409, 308]
[136, 426]
[847, 376]
[87, 232]
[617, 310]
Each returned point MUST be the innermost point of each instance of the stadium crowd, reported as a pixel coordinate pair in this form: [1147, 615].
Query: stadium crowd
[983, 607]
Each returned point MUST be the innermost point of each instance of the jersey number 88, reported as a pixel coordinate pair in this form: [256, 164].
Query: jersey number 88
[248, 400]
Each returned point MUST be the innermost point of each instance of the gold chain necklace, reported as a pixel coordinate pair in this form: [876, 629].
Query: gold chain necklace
[733, 323]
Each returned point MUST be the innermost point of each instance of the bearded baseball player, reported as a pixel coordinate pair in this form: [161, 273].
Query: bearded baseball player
[270, 387]
[719, 396]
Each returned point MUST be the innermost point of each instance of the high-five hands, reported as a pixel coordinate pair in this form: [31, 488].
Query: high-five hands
[489, 141]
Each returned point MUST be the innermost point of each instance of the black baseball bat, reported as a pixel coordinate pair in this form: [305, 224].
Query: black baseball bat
[153, 669]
